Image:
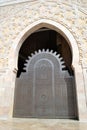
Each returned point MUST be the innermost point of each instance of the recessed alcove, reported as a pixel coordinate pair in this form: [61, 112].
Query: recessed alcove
[32, 98]
[45, 38]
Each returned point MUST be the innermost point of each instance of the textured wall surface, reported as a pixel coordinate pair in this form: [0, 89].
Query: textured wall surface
[15, 18]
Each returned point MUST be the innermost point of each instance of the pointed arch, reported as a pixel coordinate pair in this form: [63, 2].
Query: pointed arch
[49, 24]
[79, 81]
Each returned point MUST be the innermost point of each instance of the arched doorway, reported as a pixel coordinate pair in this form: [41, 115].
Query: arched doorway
[46, 38]
[13, 61]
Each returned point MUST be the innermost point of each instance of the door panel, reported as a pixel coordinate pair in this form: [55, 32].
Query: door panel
[45, 90]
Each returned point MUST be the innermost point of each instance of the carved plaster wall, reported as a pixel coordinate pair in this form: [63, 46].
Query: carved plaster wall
[15, 18]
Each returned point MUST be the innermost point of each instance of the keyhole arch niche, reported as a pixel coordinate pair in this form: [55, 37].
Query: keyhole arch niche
[74, 51]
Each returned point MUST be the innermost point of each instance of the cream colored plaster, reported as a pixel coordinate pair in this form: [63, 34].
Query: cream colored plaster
[18, 17]
[17, 22]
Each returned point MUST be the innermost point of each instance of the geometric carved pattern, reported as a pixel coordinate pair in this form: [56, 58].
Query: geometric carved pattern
[42, 54]
[45, 90]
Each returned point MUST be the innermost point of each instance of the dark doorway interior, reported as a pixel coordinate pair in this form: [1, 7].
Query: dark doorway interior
[45, 38]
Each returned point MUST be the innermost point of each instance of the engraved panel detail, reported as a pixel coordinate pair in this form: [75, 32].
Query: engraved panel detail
[45, 90]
